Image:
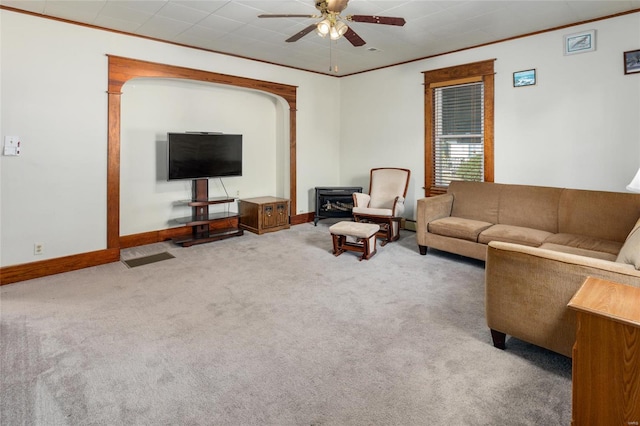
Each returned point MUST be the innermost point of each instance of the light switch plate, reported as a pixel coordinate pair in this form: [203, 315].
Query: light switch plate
[11, 145]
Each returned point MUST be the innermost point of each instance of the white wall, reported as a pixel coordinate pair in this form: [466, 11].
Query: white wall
[53, 95]
[578, 127]
[153, 107]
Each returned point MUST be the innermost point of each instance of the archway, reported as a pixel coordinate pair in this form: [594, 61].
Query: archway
[123, 69]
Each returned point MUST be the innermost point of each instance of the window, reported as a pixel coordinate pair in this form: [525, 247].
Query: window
[458, 139]
[458, 125]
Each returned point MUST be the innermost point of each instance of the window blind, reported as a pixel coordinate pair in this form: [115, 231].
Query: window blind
[458, 137]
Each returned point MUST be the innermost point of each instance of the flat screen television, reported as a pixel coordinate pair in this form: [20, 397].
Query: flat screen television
[204, 155]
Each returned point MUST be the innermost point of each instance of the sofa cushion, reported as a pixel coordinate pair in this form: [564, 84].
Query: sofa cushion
[579, 251]
[586, 243]
[630, 252]
[456, 227]
[600, 214]
[372, 211]
[534, 207]
[475, 200]
[513, 234]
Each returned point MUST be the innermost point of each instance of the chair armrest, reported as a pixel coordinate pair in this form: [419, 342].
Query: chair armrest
[398, 206]
[361, 200]
[527, 290]
[432, 208]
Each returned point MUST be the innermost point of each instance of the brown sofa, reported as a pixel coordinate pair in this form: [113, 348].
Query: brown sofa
[540, 244]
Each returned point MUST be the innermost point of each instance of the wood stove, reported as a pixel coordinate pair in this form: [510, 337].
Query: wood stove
[334, 201]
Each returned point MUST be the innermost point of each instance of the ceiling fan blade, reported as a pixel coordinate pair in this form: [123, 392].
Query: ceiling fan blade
[354, 38]
[288, 16]
[301, 34]
[373, 19]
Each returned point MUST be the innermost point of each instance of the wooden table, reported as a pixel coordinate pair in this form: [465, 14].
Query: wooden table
[606, 355]
[263, 214]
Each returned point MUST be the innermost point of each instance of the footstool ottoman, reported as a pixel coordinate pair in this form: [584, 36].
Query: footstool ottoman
[363, 233]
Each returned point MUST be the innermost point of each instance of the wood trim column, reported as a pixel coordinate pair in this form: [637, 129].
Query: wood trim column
[113, 171]
[488, 80]
[293, 167]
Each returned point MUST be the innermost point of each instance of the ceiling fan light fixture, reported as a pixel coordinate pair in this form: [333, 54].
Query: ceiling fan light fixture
[323, 27]
[333, 24]
[338, 30]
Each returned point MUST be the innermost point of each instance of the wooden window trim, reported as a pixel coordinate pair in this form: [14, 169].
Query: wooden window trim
[467, 73]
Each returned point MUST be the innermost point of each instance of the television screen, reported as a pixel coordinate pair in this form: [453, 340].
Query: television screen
[204, 155]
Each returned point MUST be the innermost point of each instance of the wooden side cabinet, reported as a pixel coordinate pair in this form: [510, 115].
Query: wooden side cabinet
[263, 214]
[606, 355]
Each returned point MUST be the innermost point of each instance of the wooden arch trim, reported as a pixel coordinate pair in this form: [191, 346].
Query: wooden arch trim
[122, 70]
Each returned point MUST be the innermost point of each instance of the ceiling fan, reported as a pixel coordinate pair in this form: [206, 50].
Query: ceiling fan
[334, 25]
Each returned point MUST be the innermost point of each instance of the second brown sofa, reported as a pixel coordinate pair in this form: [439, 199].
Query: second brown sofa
[540, 244]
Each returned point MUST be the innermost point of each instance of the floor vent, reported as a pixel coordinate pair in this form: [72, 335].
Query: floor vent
[145, 260]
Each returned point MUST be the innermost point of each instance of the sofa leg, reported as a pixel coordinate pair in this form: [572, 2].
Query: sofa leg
[498, 339]
[423, 250]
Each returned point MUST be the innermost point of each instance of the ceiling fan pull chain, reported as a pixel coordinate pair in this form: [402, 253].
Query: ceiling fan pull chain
[333, 66]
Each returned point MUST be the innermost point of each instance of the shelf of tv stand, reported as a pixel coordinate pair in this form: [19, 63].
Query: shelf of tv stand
[208, 237]
[200, 228]
[208, 202]
[196, 220]
[201, 221]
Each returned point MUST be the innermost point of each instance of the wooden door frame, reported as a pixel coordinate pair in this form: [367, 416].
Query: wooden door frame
[123, 69]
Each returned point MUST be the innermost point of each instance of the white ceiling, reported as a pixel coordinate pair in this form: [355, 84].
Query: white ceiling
[432, 27]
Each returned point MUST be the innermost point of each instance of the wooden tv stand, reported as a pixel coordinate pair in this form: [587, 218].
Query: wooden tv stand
[200, 219]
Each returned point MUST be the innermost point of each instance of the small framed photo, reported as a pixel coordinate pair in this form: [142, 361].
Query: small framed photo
[524, 78]
[632, 61]
[580, 42]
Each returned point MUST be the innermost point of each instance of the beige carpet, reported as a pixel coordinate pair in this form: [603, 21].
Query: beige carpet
[270, 330]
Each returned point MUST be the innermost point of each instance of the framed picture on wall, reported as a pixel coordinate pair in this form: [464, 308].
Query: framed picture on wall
[524, 78]
[580, 42]
[632, 61]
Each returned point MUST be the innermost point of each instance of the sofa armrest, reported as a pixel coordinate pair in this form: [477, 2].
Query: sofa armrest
[527, 290]
[432, 208]
[573, 261]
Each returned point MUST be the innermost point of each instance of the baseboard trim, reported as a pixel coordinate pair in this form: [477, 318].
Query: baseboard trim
[301, 218]
[135, 240]
[409, 225]
[43, 268]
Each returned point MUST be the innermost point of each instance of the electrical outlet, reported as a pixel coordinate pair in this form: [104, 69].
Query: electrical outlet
[238, 193]
[38, 248]
[11, 145]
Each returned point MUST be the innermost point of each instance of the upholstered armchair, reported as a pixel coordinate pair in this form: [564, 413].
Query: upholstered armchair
[384, 204]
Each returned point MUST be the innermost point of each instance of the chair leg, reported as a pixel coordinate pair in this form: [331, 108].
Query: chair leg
[338, 241]
[389, 227]
[385, 233]
[365, 249]
[369, 247]
[392, 231]
[394, 234]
